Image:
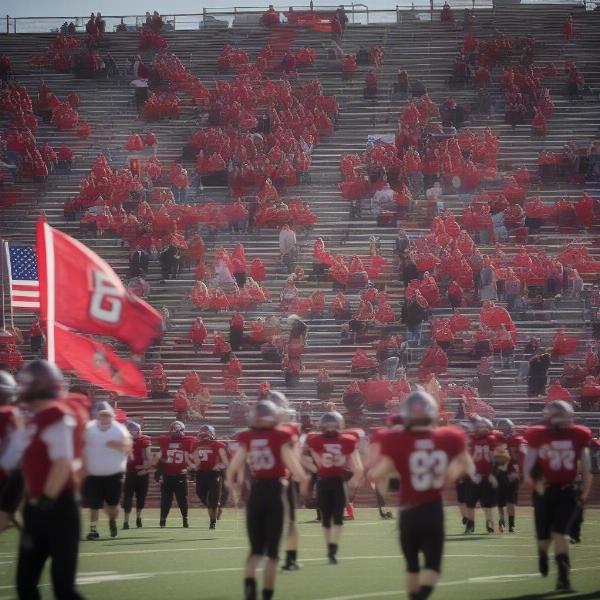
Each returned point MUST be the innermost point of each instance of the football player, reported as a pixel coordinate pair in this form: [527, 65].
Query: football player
[556, 451]
[12, 444]
[482, 485]
[425, 457]
[509, 457]
[268, 451]
[334, 453]
[137, 475]
[171, 470]
[209, 460]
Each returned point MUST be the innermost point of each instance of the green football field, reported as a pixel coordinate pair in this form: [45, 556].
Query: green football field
[185, 564]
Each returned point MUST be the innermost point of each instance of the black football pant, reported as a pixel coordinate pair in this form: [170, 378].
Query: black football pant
[49, 534]
[173, 485]
[135, 485]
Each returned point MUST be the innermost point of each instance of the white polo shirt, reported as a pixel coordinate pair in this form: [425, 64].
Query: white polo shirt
[99, 459]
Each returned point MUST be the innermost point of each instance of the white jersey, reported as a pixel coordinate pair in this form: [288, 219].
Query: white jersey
[99, 459]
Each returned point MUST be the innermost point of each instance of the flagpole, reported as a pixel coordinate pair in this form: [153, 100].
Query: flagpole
[6, 261]
[50, 296]
[2, 284]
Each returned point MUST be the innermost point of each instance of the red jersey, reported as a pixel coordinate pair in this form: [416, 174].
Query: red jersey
[421, 459]
[333, 452]
[558, 451]
[515, 445]
[36, 462]
[208, 454]
[137, 456]
[482, 449]
[264, 451]
[172, 453]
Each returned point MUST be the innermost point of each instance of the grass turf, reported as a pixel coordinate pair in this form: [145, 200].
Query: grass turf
[185, 564]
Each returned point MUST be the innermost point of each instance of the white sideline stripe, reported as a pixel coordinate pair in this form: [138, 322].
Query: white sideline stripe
[114, 552]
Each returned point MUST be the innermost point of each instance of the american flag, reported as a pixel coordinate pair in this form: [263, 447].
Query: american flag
[23, 277]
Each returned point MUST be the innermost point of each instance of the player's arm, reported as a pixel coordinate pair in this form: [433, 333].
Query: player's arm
[292, 462]
[223, 458]
[236, 468]
[124, 445]
[147, 465]
[356, 466]
[381, 472]
[528, 464]
[585, 466]
[459, 466]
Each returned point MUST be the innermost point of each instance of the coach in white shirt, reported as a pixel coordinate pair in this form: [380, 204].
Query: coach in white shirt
[107, 444]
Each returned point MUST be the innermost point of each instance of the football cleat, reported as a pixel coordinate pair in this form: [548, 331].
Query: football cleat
[163, 523]
[332, 560]
[489, 525]
[564, 586]
[92, 535]
[501, 525]
[213, 525]
[292, 566]
[112, 525]
[138, 522]
[125, 525]
[186, 523]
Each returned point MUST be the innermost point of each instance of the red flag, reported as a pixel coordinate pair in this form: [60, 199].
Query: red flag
[98, 364]
[80, 290]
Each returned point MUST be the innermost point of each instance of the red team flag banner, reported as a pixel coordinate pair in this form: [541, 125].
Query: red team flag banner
[80, 291]
[98, 363]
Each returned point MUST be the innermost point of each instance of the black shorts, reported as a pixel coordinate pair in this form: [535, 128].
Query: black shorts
[554, 510]
[508, 490]
[481, 492]
[293, 492]
[331, 500]
[135, 485]
[208, 487]
[422, 530]
[461, 491]
[266, 510]
[102, 489]
[11, 492]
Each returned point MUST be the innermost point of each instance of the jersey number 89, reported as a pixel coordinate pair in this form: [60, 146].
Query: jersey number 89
[428, 469]
[261, 460]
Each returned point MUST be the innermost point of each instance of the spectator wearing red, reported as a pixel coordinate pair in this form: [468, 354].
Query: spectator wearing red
[158, 381]
[36, 337]
[198, 334]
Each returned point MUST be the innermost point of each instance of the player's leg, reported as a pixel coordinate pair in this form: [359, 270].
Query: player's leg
[461, 499]
[112, 493]
[127, 502]
[335, 532]
[511, 505]
[94, 501]
[256, 530]
[565, 509]
[543, 525]
[11, 493]
[471, 499]
[325, 507]
[181, 495]
[141, 492]
[275, 523]
[488, 501]
[432, 545]
[213, 495]
[410, 549]
[166, 498]
[502, 498]
[224, 495]
[293, 537]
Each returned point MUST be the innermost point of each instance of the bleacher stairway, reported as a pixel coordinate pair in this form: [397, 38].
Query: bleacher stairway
[426, 50]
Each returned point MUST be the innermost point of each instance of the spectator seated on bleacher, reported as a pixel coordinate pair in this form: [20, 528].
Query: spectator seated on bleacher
[562, 345]
[12, 358]
[434, 360]
[362, 365]
[557, 392]
[590, 394]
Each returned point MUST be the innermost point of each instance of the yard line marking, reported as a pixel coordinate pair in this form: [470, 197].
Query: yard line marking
[114, 552]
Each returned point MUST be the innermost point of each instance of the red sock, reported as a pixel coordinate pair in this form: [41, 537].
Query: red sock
[350, 510]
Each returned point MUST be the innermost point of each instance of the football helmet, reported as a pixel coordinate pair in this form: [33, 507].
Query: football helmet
[482, 426]
[39, 380]
[207, 432]
[134, 428]
[264, 414]
[419, 409]
[277, 398]
[8, 388]
[331, 421]
[558, 413]
[177, 429]
[506, 426]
